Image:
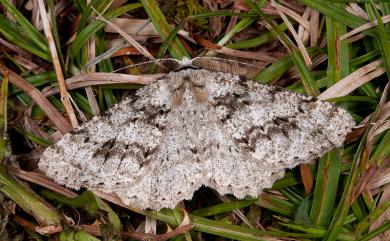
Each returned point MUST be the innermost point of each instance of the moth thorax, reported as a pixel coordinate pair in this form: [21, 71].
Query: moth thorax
[194, 84]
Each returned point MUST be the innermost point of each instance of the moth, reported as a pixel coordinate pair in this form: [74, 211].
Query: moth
[197, 126]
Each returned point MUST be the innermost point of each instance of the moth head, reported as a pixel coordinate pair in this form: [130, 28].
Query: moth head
[186, 62]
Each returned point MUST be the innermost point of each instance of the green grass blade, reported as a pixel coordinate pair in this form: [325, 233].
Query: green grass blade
[222, 208]
[337, 13]
[104, 66]
[383, 40]
[310, 85]
[220, 13]
[277, 204]
[381, 229]
[74, 235]
[24, 197]
[95, 26]
[345, 202]
[176, 49]
[257, 41]
[14, 34]
[27, 27]
[325, 190]
[370, 218]
[240, 25]
[92, 204]
[329, 166]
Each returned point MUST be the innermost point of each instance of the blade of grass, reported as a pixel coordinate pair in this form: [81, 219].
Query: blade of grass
[80, 235]
[346, 200]
[310, 85]
[176, 49]
[24, 197]
[383, 40]
[54, 30]
[54, 115]
[57, 64]
[320, 231]
[92, 204]
[27, 27]
[16, 36]
[240, 25]
[371, 217]
[381, 229]
[220, 13]
[222, 208]
[276, 204]
[29, 136]
[325, 191]
[344, 204]
[329, 166]
[94, 27]
[337, 13]
[104, 66]
[257, 41]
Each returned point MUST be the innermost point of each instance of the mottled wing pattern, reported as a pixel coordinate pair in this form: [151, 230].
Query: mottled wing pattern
[142, 150]
[194, 128]
[261, 130]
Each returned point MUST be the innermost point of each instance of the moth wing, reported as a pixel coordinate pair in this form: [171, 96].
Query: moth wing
[177, 171]
[226, 66]
[138, 150]
[264, 130]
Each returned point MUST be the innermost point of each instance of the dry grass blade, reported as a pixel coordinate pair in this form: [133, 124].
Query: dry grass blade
[54, 115]
[42, 180]
[350, 34]
[16, 49]
[380, 122]
[91, 79]
[301, 46]
[383, 218]
[307, 178]
[57, 65]
[47, 230]
[261, 56]
[139, 27]
[303, 33]
[314, 27]
[150, 225]
[136, 45]
[143, 236]
[301, 20]
[381, 179]
[355, 9]
[354, 80]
